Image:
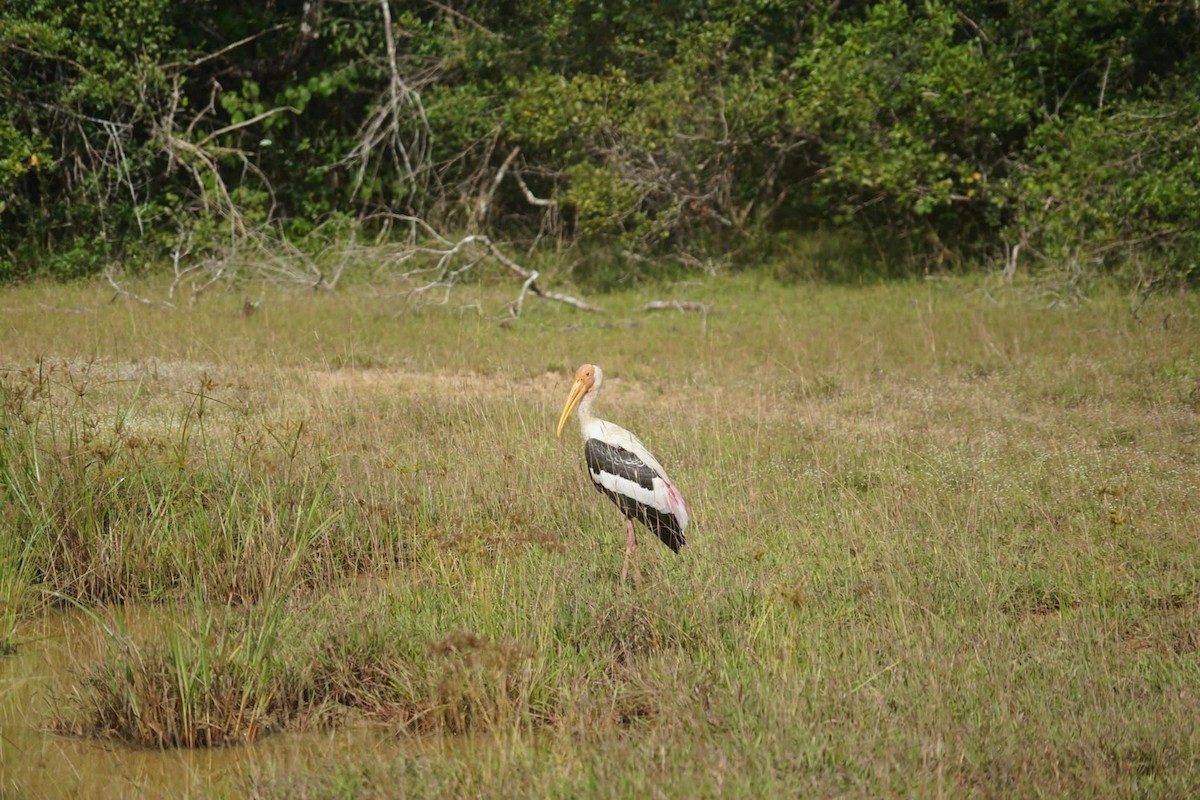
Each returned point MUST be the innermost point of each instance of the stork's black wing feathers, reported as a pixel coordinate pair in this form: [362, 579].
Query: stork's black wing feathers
[604, 457]
[609, 459]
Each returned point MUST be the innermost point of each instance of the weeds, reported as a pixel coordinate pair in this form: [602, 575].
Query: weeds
[105, 514]
[217, 681]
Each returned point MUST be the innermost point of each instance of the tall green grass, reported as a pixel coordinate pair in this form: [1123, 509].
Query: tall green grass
[210, 678]
[101, 513]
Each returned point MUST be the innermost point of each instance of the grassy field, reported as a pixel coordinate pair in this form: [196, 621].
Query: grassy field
[944, 539]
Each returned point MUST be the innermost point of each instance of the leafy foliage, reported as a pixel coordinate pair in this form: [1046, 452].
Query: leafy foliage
[1118, 186]
[130, 130]
[908, 111]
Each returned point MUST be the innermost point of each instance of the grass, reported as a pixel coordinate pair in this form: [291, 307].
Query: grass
[943, 544]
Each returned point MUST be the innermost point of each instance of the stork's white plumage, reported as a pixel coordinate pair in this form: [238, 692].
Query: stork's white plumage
[621, 467]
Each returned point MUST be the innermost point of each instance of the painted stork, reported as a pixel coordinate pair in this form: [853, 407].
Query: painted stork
[621, 467]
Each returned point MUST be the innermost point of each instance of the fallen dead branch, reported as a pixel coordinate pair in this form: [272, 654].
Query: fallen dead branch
[443, 275]
[121, 291]
[677, 305]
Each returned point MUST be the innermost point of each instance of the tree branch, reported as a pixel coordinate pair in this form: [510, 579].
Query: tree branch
[253, 120]
[485, 197]
[677, 305]
[121, 291]
[529, 196]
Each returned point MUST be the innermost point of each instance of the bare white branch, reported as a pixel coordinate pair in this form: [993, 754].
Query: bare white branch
[121, 291]
[257, 118]
[485, 197]
[529, 196]
[400, 123]
[677, 305]
[441, 275]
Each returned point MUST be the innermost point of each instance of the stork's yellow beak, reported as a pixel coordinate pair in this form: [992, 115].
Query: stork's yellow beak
[573, 399]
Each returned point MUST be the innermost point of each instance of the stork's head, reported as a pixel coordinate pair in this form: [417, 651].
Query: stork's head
[587, 381]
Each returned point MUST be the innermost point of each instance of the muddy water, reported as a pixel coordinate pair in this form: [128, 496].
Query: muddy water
[37, 763]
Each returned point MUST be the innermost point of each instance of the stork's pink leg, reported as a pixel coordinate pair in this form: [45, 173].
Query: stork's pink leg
[630, 551]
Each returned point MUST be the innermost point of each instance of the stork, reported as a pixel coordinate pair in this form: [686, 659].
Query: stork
[621, 467]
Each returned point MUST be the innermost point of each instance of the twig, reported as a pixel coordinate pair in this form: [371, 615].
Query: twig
[465, 19]
[516, 306]
[485, 197]
[121, 291]
[230, 47]
[531, 279]
[530, 197]
[1010, 260]
[677, 305]
[385, 125]
[443, 277]
[177, 254]
[244, 123]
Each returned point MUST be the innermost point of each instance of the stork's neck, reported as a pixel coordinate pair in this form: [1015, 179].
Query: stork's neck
[585, 409]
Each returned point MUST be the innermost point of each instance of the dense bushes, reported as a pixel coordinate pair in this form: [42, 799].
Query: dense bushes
[1118, 189]
[129, 130]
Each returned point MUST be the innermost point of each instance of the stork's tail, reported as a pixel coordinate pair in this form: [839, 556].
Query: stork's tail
[669, 525]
